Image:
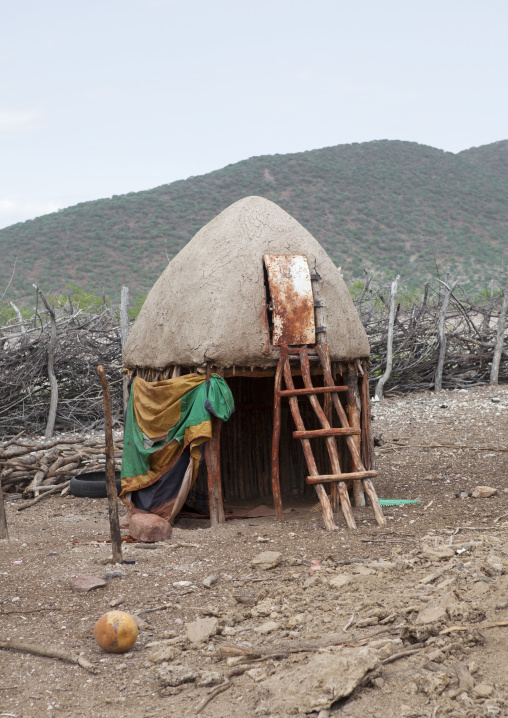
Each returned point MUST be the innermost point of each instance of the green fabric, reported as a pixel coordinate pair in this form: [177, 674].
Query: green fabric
[136, 455]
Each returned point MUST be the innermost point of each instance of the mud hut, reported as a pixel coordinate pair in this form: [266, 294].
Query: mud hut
[255, 298]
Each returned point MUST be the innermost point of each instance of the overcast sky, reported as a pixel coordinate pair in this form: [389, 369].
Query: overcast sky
[103, 97]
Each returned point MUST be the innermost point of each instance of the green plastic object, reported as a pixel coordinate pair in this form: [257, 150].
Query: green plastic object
[398, 502]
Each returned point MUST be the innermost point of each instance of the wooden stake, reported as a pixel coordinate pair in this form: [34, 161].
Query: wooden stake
[277, 499]
[438, 377]
[212, 458]
[4, 533]
[353, 402]
[124, 333]
[389, 348]
[498, 349]
[114, 524]
[53, 401]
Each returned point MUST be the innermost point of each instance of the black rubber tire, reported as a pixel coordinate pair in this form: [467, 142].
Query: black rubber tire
[92, 486]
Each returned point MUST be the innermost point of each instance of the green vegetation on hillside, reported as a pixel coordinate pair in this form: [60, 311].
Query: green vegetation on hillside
[386, 206]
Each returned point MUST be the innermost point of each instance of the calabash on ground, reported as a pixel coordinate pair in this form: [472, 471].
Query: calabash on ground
[116, 631]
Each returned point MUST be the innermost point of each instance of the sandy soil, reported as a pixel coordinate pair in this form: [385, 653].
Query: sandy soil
[438, 564]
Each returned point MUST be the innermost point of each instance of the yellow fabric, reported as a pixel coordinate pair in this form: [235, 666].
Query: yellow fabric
[157, 406]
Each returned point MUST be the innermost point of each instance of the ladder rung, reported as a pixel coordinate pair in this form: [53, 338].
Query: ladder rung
[326, 432]
[327, 478]
[316, 390]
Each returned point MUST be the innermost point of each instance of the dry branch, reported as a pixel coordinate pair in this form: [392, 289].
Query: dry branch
[48, 653]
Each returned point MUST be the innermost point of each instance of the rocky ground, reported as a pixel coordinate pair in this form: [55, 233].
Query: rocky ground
[406, 620]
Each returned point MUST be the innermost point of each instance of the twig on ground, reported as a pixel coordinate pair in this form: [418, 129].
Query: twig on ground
[481, 626]
[48, 653]
[222, 687]
[402, 654]
[350, 622]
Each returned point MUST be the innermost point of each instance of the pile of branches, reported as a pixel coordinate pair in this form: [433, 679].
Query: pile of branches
[470, 329]
[83, 341]
[37, 466]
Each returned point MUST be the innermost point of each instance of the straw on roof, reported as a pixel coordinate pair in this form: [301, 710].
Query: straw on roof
[210, 301]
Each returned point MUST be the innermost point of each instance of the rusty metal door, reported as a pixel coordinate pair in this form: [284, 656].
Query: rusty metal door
[292, 299]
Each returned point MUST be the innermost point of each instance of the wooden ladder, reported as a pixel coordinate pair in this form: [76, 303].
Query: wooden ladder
[338, 481]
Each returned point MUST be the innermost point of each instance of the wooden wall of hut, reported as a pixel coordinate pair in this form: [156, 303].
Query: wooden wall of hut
[246, 443]
[246, 439]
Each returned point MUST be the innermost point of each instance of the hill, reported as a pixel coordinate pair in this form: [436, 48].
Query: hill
[387, 206]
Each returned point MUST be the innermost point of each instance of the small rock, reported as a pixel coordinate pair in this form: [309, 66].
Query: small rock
[182, 584]
[315, 685]
[495, 400]
[437, 656]
[437, 554]
[117, 601]
[267, 627]
[257, 674]
[163, 654]
[383, 565]
[201, 630]
[483, 690]
[210, 678]
[483, 492]
[113, 574]
[339, 581]
[295, 620]
[87, 583]
[176, 675]
[364, 622]
[430, 614]
[149, 528]
[140, 623]
[267, 560]
[209, 581]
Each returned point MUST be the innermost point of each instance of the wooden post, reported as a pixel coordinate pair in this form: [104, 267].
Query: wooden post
[498, 349]
[389, 348]
[438, 377]
[4, 533]
[114, 524]
[212, 504]
[367, 445]
[354, 404]
[53, 401]
[277, 499]
[212, 459]
[124, 333]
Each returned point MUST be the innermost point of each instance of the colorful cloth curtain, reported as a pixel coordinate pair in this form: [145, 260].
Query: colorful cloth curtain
[163, 419]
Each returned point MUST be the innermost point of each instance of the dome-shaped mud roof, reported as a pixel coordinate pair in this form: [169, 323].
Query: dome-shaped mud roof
[210, 301]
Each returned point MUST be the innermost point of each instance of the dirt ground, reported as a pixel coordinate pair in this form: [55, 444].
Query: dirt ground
[347, 624]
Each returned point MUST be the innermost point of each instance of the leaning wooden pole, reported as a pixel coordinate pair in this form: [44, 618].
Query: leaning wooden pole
[114, 524]
[498, 349]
